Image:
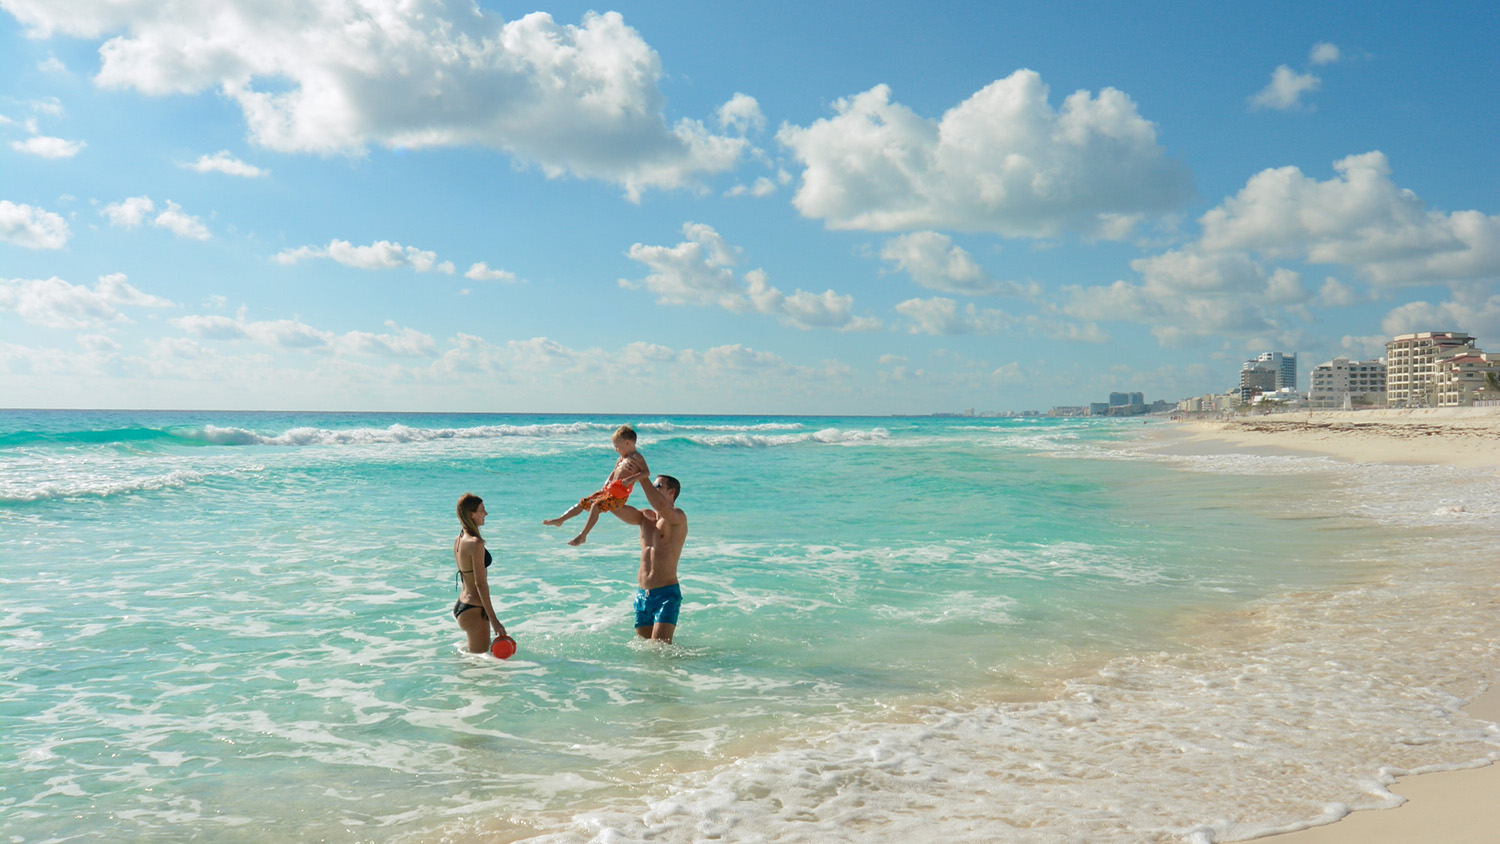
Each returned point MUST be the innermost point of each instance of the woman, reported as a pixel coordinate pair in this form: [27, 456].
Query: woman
[474, 586]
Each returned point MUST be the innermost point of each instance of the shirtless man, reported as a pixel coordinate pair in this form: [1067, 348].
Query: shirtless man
[663, 530]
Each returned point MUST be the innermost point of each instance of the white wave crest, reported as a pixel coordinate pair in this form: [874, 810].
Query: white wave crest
[827, 436]
[95, 487]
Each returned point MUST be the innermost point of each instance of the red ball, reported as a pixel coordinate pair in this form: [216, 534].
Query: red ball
[504, 647]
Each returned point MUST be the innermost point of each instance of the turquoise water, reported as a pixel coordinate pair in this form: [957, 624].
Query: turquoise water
[238, 626]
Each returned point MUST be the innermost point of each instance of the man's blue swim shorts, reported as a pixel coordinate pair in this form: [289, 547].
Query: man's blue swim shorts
[657, 606]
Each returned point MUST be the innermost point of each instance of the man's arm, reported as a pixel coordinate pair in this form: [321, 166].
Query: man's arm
[658, 501]
[628, 514]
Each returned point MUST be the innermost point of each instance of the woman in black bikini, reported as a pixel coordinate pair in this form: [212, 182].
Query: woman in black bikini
[474, 586]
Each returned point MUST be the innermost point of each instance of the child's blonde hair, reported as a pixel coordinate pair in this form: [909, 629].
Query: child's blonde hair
[624, 432]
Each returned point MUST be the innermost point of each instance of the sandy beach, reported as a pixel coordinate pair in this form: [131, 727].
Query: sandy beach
[1456, 807]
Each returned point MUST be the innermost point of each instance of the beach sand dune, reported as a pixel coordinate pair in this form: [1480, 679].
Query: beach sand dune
[1454, 807]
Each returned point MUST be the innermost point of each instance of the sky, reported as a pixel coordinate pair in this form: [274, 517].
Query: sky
[728, 207]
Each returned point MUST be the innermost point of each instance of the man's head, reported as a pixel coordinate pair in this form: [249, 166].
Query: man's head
[669, 485]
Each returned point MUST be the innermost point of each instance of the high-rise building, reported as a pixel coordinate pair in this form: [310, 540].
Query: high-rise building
[1256, 378]
[1282, 363]
[1411, 365]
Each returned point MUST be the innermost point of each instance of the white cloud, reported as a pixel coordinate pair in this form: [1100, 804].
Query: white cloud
[1360, 219]
[48, 147]
[183, 225]
[1285, 89]
[1239, 279]
[1002, 161]
[223, 162]
[404, 342]
[1337, 294]
[482, 272]
[51, 64]
[294, 335]
[129, 213]
[699, 271]
[762, 188]
[55, 303]
[1324, 53]
[741, 114]
[1189, 293]
[338, 77]
[133, 211]
[32, 227]
[1473, 309]
[933, 261]
[382, 254]
[942, 316]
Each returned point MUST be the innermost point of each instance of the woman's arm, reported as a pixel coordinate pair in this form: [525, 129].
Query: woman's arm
[474, 550]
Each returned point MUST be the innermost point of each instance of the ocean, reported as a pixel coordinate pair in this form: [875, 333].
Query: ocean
[238, 627]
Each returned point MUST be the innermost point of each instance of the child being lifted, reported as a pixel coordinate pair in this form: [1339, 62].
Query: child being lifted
[630, 465]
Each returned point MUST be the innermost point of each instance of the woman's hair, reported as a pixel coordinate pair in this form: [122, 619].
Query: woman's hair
[468, 505]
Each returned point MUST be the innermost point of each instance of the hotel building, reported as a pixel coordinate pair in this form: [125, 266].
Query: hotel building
[1411, 372]
[1462, 376]
[1341, 379]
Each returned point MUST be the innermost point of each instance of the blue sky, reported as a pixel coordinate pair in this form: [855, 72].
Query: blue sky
[720, 207]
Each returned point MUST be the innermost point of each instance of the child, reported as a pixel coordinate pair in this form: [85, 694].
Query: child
[630, 465]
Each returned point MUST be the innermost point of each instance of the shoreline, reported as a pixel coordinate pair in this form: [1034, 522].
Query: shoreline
[1455, 806]
[1463, 437]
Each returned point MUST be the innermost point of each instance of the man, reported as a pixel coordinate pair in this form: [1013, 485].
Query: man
[663, 530]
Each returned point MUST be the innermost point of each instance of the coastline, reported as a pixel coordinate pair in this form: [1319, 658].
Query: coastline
[1452, 806]
[1463, 437]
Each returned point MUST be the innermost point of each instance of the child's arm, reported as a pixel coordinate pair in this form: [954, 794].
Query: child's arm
[629, 468]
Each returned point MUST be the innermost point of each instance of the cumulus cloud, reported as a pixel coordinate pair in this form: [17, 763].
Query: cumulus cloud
[137, 210]
[223, 162]
[1473, 309]
[32, 227]
[1240, 280]
[338, 77]
[44, 146]
[1003, 161]
[1324, 53]
[1285, 89]
[294, 335]
[380, 255]
[173, 219]
[762, 187]
[1188, 293]
[934, 261]
[482, 272]
[55, 303]
[1360, 219]
[700, 271]
[943, 316]
[741, 114]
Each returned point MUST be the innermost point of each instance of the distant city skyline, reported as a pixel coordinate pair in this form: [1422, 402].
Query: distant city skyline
[729, 208]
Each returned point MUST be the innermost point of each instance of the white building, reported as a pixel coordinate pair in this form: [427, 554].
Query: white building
[1361, 383]
[1411, 365]
[1462, 375]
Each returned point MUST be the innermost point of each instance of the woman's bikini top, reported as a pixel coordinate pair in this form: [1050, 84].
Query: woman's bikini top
[487, 558]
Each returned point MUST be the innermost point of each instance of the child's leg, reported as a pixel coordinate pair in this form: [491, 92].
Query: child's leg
[584, 534]
[572, 511]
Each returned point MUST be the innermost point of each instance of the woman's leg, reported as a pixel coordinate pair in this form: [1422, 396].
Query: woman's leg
[477, 627]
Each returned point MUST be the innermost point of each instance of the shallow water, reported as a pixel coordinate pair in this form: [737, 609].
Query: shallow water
[240, 625]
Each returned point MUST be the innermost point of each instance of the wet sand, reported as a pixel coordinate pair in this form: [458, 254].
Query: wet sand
[1454, 807]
